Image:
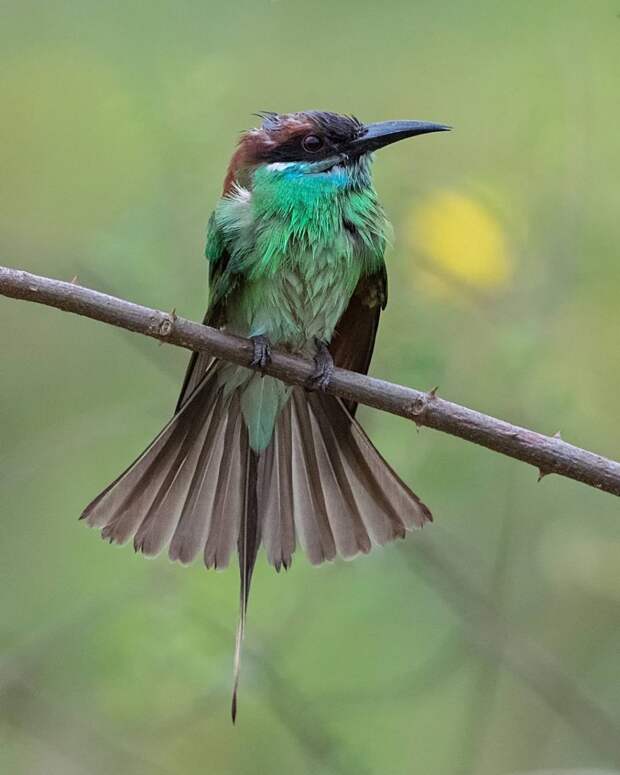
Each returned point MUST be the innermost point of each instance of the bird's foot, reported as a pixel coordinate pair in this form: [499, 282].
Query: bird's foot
[323, 367]
[262, 352]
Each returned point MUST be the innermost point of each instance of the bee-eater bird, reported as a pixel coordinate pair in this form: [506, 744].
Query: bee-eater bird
[295, 249]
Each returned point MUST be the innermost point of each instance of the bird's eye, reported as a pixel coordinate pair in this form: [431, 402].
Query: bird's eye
[312, 143]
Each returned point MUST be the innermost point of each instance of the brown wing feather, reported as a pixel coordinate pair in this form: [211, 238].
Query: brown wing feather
[354, 338]
[214, 316]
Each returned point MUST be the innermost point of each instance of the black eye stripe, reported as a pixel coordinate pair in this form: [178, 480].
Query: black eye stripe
[333, 130]
[319, 139]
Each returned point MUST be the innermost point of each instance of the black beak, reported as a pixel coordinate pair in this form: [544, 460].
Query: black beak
[375, 136]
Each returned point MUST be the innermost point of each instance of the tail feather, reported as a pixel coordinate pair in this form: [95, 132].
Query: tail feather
[334, 500]
[309, 513]
[381, 500]
[164, 515]
[192, 527]
[276, 507]
[145, 501]
[249, 537]
[123, 505]
[344, 496]
[229, 493]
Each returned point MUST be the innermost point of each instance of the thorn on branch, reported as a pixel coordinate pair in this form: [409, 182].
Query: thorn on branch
[432, 393]
[557, 435]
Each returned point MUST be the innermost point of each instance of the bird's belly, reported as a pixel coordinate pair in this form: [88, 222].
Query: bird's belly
[303, 303]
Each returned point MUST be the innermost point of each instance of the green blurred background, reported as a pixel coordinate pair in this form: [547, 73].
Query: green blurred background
[487, 644]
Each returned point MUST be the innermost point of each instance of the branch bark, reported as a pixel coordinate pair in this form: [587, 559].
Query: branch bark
[550, 454]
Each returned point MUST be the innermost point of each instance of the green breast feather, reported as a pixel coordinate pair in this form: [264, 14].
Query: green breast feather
[285, 260]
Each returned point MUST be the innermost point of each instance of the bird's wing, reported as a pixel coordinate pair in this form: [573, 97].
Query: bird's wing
[222, 281]
[222, 284]
[354, 338]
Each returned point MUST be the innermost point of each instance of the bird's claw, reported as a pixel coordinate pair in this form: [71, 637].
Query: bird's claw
[323, 368]
[262, 352]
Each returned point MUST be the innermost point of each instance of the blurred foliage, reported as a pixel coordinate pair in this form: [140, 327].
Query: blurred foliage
[487, 644]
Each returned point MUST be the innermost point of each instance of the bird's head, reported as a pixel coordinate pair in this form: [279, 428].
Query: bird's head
[315, 142]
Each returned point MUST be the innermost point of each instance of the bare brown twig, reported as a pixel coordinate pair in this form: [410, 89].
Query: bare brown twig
[550, 454]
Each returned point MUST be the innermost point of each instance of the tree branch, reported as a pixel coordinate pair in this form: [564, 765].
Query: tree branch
[550, 454]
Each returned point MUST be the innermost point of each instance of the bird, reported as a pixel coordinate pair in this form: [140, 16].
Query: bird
[295, 249]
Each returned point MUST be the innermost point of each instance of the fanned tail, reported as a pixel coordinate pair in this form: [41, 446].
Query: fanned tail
[200, 488]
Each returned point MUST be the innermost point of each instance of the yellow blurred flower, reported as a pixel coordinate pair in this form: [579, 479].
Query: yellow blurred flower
[461, 239]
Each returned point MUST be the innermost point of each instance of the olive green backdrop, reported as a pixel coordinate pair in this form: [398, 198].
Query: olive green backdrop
[487, 644]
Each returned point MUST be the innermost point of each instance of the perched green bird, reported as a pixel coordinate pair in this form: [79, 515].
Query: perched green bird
[295, 250]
